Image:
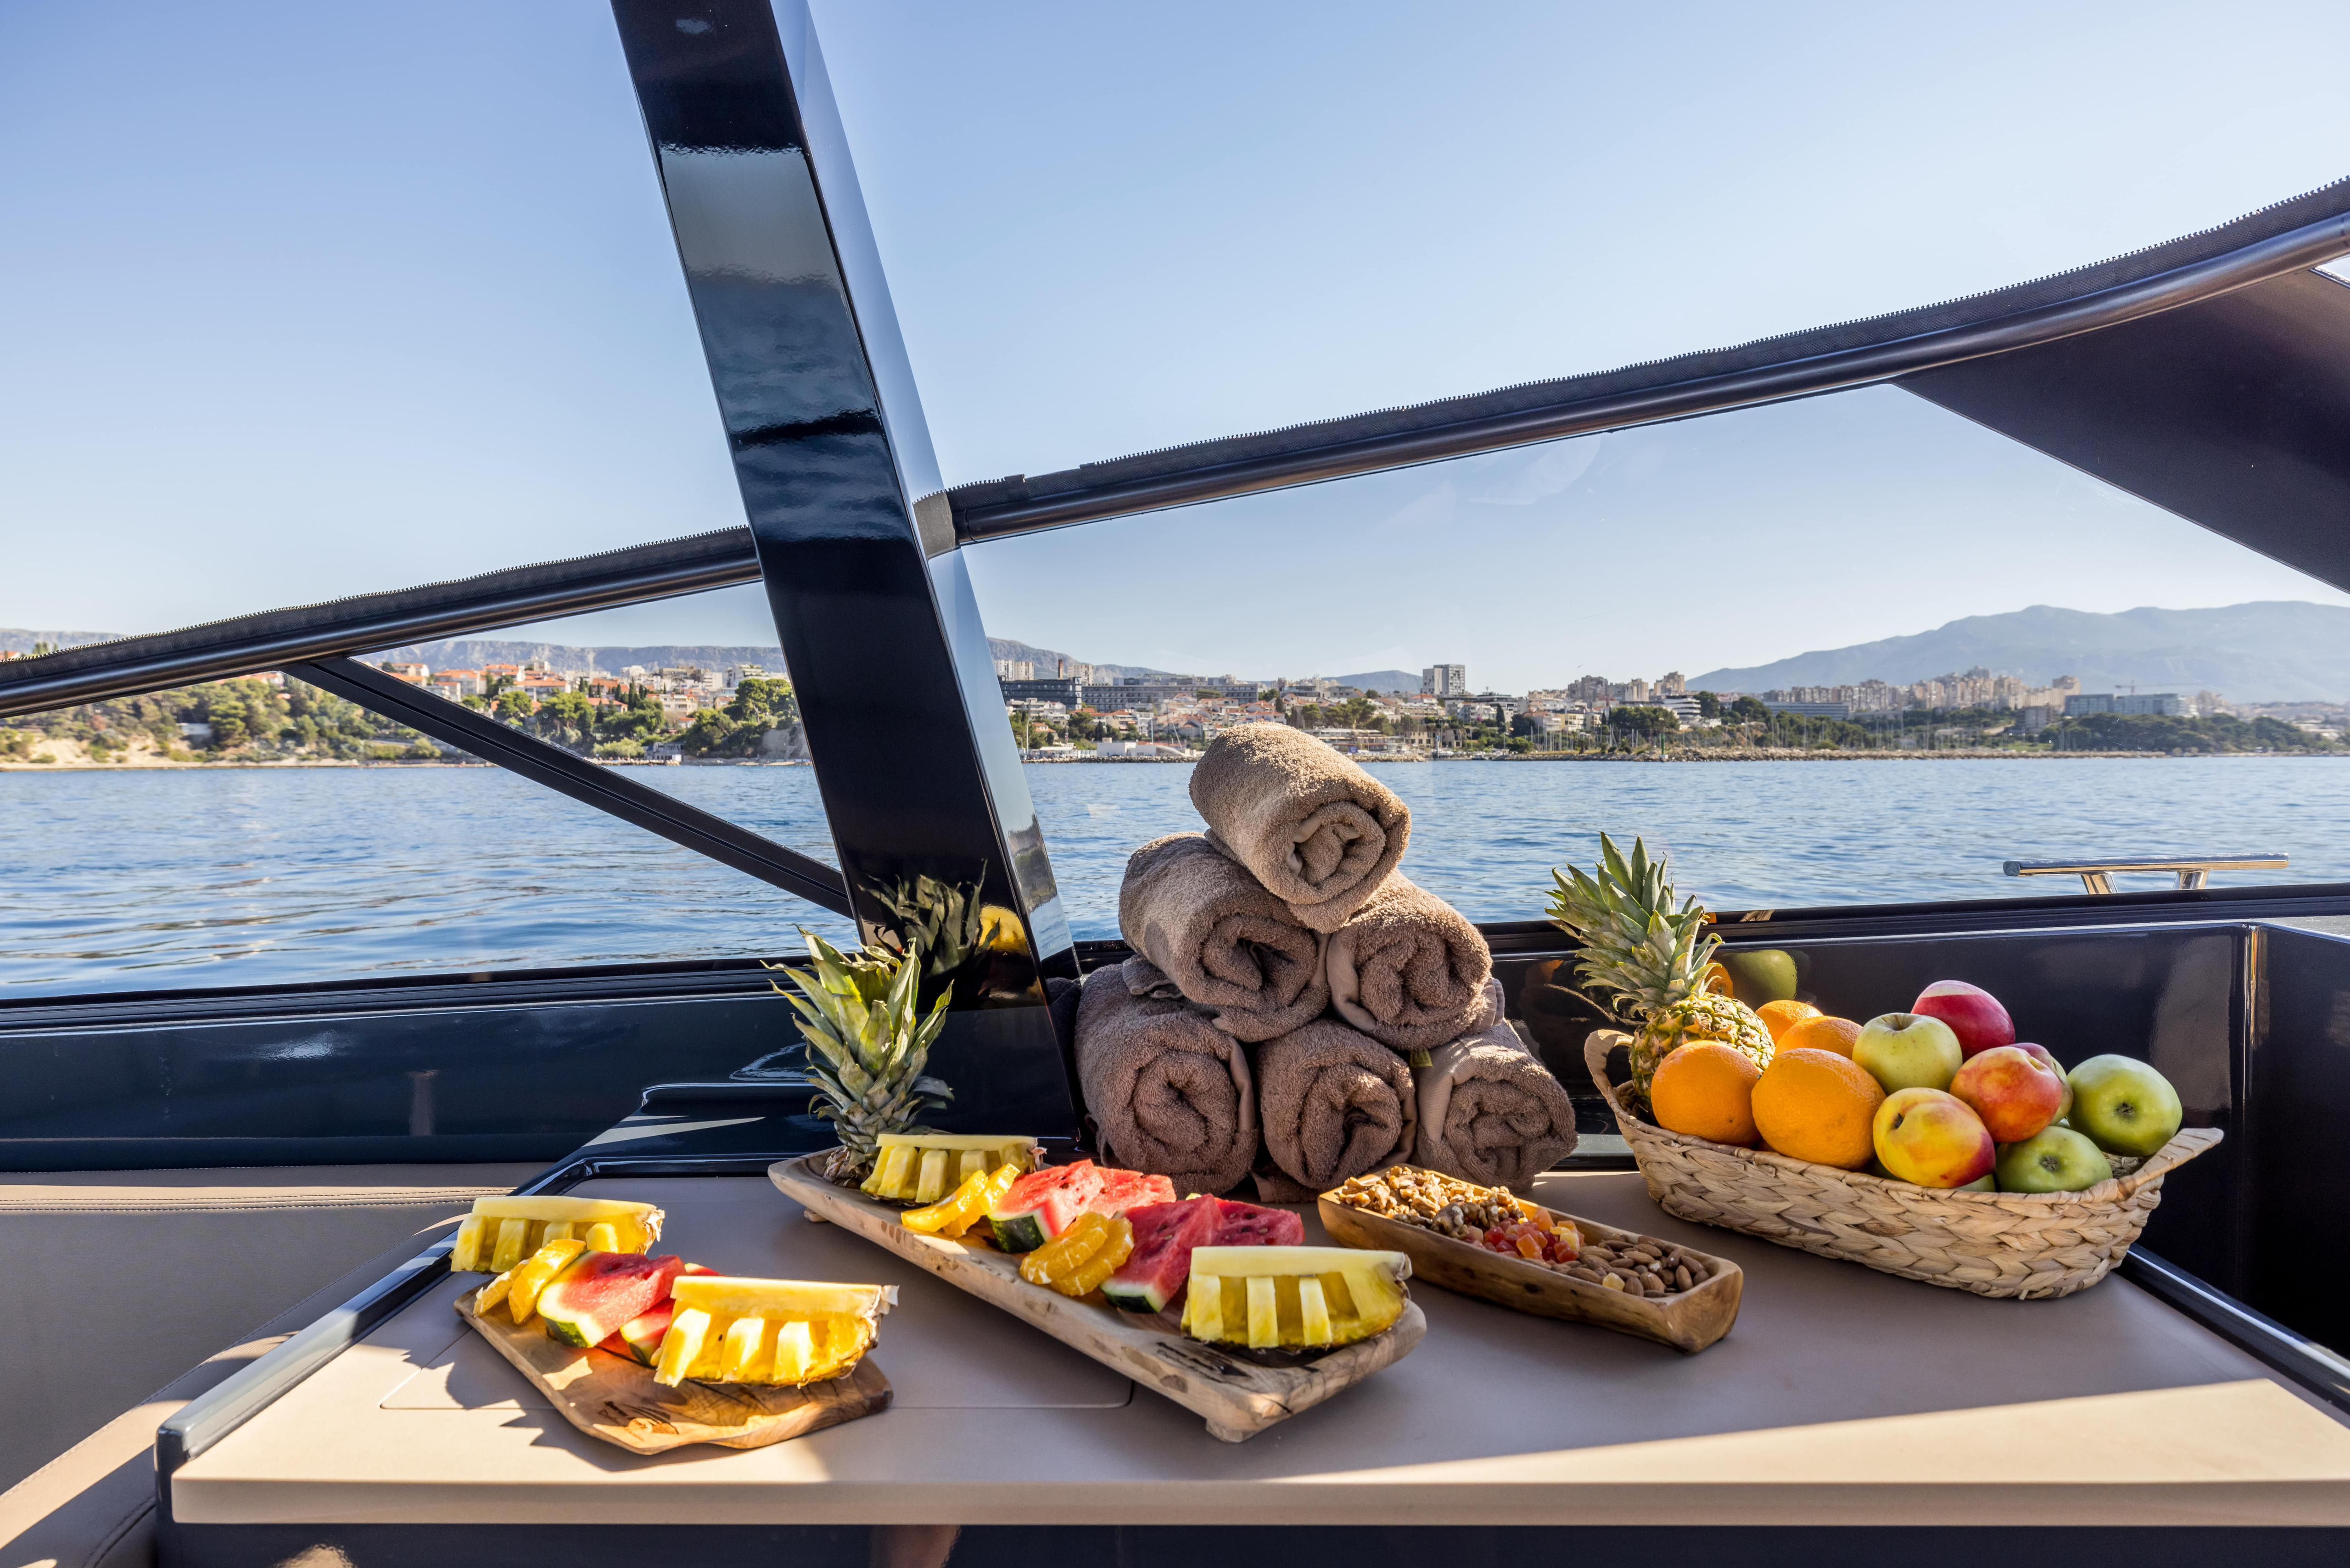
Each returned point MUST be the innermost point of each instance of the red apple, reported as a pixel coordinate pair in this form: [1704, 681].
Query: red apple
[2055, 1066]
[2015, 1092]
[1973, 1015]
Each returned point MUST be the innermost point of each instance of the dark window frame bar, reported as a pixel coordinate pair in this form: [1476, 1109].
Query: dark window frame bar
[221, 649]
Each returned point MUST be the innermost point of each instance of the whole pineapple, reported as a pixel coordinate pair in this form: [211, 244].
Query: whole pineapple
[1653, 958]
[868, 1045]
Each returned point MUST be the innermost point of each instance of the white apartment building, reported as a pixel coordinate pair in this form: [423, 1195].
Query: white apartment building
[1444, 681]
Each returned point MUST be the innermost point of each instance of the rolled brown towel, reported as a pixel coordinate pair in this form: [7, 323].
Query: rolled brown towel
[1335, 1103]
[1171, 1093]
[1225, 942]
[1316, 829]
[1490, 1113]
[1410, 971]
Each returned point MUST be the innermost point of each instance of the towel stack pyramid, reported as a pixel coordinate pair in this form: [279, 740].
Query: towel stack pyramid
[1298, 1011]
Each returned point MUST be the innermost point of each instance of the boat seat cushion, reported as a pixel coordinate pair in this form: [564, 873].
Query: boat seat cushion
[120, 1279]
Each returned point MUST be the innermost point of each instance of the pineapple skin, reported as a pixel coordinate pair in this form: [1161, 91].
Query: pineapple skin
[1700, 1017]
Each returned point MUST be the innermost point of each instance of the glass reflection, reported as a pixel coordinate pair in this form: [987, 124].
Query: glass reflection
[1803, 605]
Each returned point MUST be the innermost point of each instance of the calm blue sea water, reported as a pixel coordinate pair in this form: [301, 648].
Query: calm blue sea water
[249, 876]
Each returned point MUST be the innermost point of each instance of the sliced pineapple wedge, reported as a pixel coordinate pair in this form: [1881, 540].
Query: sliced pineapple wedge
[501, 1232]
[1293, 1298]
[924, 1167]
[966, 1205]
[788, 1331]
[519, 1286]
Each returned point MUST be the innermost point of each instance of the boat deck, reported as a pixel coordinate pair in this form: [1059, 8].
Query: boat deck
[1842, 1397]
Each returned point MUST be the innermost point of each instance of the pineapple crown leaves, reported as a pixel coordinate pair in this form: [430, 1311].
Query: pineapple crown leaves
[1639, 945]
[868, 1040]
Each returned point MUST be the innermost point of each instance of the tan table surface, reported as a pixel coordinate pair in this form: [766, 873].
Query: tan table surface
[1842, 1397]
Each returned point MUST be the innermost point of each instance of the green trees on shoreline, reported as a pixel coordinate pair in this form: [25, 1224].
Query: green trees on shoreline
[252, 720]
[249, 719]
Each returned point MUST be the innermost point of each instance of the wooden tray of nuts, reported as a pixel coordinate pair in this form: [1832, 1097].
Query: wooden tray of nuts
[1561, 1267]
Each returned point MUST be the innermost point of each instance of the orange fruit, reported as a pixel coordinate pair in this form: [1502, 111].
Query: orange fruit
[1779, 1017]
[1816, 1105]
[1821, 1033]
[1707, 1090]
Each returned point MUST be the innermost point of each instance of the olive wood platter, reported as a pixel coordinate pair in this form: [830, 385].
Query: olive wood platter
[1238, 1393]
[1687, 1320]
[615, 1398]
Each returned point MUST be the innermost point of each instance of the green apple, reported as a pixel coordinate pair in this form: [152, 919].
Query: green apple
[1758, 975]
[2055, 1159]
[1908, 1051]
[1980, 1184]
[2124, 1105]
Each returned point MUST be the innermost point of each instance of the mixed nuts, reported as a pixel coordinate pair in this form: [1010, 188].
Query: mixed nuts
[1491, 1218]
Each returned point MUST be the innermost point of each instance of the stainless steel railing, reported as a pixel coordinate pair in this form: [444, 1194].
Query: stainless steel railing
[2194, 870]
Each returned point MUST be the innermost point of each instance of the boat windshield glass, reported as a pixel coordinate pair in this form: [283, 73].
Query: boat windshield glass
[1118, 233]
[261, 831]
[1847, 649]
[284, 327]
[687, 695]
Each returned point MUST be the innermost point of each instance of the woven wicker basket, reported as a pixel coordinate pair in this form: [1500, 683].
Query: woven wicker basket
[2027, 1245]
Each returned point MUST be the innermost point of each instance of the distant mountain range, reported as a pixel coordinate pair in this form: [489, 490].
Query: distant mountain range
[2276, 651]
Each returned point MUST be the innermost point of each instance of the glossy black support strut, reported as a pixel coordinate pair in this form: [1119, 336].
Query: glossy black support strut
[914, 756]
[606, 789]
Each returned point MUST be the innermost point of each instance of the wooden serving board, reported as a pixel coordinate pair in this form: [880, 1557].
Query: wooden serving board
[1687, 1320]
[1238, 1395]
[613, 1397]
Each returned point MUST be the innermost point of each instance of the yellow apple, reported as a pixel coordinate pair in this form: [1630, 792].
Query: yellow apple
[1932, 1139]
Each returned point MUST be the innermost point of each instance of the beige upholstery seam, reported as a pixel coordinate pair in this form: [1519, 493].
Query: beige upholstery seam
[336, 1198]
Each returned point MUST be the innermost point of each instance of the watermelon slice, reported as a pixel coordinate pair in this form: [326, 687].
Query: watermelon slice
[1042, 1204]
[1125, 1189]
[1246, 1225]
[590, 1300]
[1164, 1235]
[640, 1338]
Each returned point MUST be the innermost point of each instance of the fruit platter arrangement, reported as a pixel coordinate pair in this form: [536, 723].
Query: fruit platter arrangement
[1484, 1241]
[1929, 1143]
[1218, 1305]
[653, 1353]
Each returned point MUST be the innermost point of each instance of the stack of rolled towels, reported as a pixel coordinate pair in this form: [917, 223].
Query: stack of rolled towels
[1298, 1011]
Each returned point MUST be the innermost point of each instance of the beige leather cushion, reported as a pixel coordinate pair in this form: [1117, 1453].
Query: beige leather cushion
[118, 1279]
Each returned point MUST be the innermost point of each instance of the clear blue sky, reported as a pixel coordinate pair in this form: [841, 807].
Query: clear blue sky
[305, 300]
